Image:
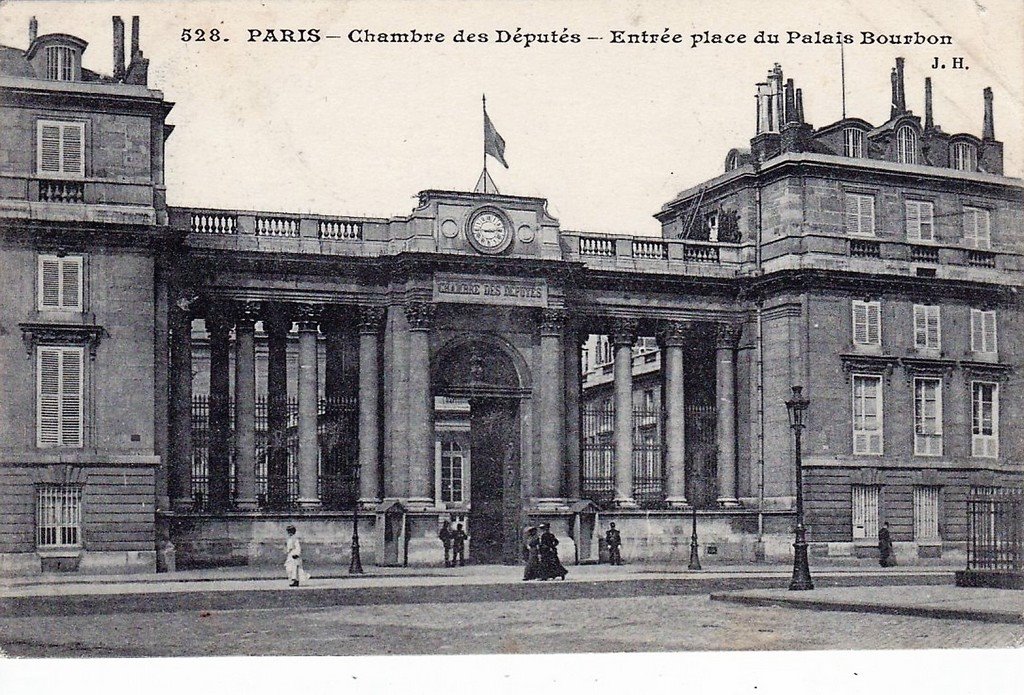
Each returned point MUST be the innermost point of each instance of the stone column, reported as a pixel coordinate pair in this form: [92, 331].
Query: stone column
[371, 319]
[277, 324]
[180, 446]
[551, 405]
[672, 341]
[573, 374]
[308, 407]
[623, 336]
[218, 327]
[245, 405]
[420, 316]
[725, 360]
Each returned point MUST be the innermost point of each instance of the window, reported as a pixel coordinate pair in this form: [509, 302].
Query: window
[60, 148]
[977, 233]
[853, 142]
[604, 350]
[928, 417]
[920, 220]
[584, 359]
[867, 415]
[906, 145]
[712, 220]
[964, 156]
[59, 396]
[860, 214]
[983, 331]
[865, 511]
[926, 512]
[927, 327]
[984, 419]
[867, 323]
[60, 283]
[60, 63]
[452, 460]
[58, 516]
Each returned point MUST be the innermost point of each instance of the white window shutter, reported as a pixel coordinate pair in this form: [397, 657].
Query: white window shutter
[989, 330]
[71, 397]
[977, 337]
[48, 397]
[867, 215]
[927, 217]
[72, 146]
[860, 323]
[49, 283]
[913, 209]
[874, 323]
[49, 148]
[934, 326]
[71, 283]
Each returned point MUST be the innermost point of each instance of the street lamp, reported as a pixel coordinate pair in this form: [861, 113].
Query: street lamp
[355, 565]
[801, 581]
[694, 556]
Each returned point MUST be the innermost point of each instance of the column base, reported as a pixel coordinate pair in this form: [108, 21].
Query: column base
[182, 505]
[550, 503]
[677, 503]
[625, 503]
[368, 503]
[419, 503]
[728, 502]
[309, 503]
[247, 505]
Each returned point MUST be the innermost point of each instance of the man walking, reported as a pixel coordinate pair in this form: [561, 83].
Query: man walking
[445, 536]
[459, 539]
[613, 540]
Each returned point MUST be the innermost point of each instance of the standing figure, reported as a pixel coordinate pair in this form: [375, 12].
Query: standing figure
[445, 536]
[550, 565]
[533, 570]
[613, 540]
[459, 539]
[293, 559]
[886, 556]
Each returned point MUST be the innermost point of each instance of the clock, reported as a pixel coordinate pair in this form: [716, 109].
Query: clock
[489, 230]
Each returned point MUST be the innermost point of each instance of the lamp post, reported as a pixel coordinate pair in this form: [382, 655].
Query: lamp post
[801, 581]
[355, 565]
[694, 556]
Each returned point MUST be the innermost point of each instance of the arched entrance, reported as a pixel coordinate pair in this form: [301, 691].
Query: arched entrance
[488, 374]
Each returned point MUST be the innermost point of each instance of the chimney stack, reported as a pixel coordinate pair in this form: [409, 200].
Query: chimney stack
[892, 80]
[988, 130]
[928, 122]
[790, 114]
[135, 37]
[118, 49]
[33, 30]
[800, 106]
[900, 92]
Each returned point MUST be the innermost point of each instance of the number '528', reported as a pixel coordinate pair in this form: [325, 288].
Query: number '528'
[200, 35]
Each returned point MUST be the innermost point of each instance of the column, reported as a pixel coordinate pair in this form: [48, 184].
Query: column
[180, 446]
[371, 319]
[623, 336]
[245, 404]
[218, 327]
[551, 405]
[308, 406]
[725, 360]
[672, 341]
[277, 324]
[573, 375]
[420, 316]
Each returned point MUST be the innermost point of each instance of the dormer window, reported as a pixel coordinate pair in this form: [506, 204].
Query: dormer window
[60, 63]
[964, 156]
[906, 145]
[853, 142]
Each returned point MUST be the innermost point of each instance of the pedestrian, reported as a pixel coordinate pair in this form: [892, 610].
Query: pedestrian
[532, 542]
[459, 539]
[550, 565]
[613, 540]
[445, 536]
[886, 554]
[293, 559]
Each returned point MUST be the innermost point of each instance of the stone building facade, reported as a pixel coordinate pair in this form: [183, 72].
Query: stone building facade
[186, 382]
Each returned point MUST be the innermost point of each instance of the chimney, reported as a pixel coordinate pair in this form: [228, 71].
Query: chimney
[118, 49]
[800, 105]
[928, 122]
[135, 37]
[988, 130]
[33, 30]
[790, 115]
[892, 78]
[901, 95]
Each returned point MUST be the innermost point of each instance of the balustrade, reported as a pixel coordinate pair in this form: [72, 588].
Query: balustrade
[51, 191]
[214, 223]
[340, 229]
[595, 246]
[650, 249]
[277, 226]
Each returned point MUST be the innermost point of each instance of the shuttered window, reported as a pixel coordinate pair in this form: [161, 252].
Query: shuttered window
[983, 331]
[867, 414]
[60, 148]
[928, 417]
[927, 327]
[926, 512]
[58, 516]
[867, 323]
[920, 220]
[977, 233]
[860, 214]
[59, 396]
[865, 511]
[984, 419]
[60, 283]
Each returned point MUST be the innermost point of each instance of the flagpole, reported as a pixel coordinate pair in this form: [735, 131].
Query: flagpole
[484, 97]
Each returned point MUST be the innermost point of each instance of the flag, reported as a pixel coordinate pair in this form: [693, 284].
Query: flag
[494, 144]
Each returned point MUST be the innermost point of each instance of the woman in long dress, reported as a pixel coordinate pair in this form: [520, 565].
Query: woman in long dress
[532, 543]
[886, 556]
[550, 565]
[293, 559]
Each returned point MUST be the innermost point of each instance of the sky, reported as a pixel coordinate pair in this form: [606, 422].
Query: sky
[606, 132]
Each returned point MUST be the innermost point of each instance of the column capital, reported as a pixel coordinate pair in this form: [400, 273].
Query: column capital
[310, 316]
[276, 319]
[623, 332]
[674, 333]
[552, 321]
[371, 319]
[420, 315]
[247, 314]
[727, 335]
[218, 321]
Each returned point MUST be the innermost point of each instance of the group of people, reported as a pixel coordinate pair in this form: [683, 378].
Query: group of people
[454, 544]
[542, 555]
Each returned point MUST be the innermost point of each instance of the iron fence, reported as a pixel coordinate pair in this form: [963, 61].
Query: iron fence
[995, 530]
[598, 479]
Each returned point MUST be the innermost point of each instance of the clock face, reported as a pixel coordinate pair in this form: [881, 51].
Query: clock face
[489, 232]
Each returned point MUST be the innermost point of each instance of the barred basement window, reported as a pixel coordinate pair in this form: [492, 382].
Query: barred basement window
[60, 63]
[928, 417]
[927, 327]
[867, 415]
[860, 214]
[60, 283]
[867, 323]
[964, 156]
[853, 142]
[59, 396]
[926, 513]
[983, 331]
[906, 145]
[977, 232]
[60, 148]
[865, 511]
[984, 419]
[920, 220]
[58, 516]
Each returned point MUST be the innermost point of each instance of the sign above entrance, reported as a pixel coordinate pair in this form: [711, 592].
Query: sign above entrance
[474, 289]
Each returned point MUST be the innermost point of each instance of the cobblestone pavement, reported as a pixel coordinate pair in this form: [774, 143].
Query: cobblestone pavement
[653, 623]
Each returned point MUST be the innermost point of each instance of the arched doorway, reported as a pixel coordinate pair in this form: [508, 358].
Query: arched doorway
[489, 375]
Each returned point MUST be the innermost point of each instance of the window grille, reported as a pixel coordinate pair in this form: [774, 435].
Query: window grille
[60, 63]
[926, 513]
[964, 156]
[853, 142]
[867, 414]
[928, 417]
[865, 511]
[906, 145]
[58, 516]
